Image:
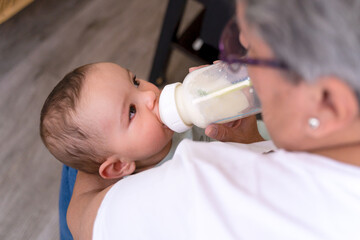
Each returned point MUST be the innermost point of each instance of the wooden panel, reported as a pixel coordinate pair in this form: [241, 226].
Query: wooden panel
[10, 7]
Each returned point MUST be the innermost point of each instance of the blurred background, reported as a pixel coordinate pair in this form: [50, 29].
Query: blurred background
[41, 41]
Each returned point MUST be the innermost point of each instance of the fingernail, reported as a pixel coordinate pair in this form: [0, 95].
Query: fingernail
[213, 132]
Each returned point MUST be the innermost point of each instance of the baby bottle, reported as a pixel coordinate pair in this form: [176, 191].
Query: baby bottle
[212, 94]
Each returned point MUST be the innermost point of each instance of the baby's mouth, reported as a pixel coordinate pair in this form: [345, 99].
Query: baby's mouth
[157, 113]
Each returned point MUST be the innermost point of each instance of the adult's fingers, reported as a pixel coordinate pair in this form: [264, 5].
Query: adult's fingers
[242, 131]
[219, 132]
[194, 68]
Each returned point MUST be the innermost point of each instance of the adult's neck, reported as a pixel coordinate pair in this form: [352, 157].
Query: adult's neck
[347, 153]
[342, 145]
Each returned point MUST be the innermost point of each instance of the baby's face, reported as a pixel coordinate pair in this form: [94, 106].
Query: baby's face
[125, 111]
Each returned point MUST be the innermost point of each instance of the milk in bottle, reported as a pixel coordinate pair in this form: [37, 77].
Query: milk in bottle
[212, 94]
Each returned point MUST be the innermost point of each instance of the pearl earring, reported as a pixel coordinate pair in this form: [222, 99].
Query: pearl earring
[314, 123]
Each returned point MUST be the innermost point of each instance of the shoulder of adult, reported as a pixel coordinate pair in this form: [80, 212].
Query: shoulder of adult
[186, 193]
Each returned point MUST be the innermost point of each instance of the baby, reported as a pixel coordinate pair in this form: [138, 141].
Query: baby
[101, 119]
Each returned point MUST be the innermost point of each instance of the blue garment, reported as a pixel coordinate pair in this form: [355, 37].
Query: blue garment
[68, 178]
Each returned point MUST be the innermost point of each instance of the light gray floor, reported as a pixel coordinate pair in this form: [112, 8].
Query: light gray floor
[37, 48]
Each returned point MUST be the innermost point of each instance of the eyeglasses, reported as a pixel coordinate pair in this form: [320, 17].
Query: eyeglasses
[233, 53]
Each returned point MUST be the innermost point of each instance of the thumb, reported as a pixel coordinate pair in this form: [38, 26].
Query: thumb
[218, 132]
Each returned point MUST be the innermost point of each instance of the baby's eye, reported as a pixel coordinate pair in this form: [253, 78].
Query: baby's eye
[132, 111]
[136, 82]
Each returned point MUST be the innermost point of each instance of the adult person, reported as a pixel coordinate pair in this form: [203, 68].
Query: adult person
[303, 58]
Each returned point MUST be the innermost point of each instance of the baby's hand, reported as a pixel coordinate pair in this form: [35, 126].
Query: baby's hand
[242, 131]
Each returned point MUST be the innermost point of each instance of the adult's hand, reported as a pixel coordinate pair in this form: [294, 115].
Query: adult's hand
[201, 66]
[242, 131]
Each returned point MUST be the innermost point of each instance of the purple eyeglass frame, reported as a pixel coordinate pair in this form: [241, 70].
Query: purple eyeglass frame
[232, 52]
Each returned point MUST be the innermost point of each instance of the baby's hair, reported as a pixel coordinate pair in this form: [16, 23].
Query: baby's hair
[70, 142]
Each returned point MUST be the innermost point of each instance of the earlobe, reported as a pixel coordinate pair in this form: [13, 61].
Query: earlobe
[337, 106]
[115, 168]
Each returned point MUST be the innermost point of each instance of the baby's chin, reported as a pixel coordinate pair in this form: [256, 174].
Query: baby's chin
[164, 126]
[168, 129]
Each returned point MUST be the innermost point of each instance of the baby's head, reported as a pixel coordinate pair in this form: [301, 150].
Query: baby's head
[101, 119]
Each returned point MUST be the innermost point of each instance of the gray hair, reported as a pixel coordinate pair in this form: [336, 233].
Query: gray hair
[313, 37]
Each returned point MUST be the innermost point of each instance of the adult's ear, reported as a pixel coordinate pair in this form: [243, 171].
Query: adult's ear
[114, 168]
[336, 106]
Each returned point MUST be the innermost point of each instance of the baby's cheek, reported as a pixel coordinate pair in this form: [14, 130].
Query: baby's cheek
[154, 133]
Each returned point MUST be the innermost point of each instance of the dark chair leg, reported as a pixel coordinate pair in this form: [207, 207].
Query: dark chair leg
[174, 13]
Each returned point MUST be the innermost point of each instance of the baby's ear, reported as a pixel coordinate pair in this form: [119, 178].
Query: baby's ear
[114, 168]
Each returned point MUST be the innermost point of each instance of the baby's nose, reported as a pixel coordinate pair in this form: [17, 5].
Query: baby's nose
[150, 98]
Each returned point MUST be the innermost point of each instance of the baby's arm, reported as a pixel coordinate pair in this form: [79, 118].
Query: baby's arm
[89, 191]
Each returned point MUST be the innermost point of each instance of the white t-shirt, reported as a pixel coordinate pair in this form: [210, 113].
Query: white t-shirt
[234, 191]
[195, 134]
